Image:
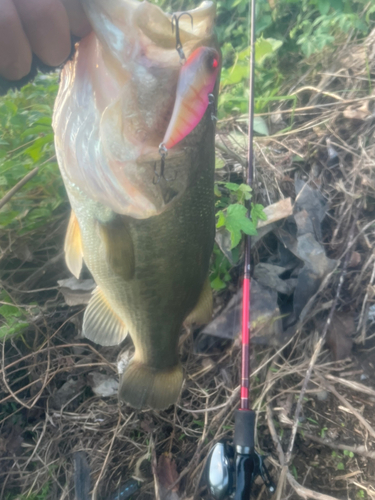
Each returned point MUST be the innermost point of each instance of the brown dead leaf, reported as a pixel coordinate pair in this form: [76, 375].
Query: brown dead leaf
[166, 475]
[166, 471]
[355, 259]
[357, 113]
[339, 335]
[277, 211]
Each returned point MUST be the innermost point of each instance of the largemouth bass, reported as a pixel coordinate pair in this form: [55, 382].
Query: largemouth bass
[134, 136]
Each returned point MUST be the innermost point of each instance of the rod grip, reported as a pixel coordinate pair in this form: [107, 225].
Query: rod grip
[244, 429]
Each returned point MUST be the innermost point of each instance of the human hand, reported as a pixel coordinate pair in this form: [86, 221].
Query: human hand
[42, 27]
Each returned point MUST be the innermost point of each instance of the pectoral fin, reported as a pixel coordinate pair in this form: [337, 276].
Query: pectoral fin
[118, 246]
[100, 323]
[73, 246]
[202, 312]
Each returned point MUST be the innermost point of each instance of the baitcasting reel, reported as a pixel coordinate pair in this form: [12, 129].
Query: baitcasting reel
[232, 470]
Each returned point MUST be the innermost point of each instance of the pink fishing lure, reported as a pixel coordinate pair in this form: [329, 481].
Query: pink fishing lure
[196, 81]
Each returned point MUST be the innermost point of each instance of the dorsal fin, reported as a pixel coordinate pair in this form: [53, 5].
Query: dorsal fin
[73, 246]
[100, 323]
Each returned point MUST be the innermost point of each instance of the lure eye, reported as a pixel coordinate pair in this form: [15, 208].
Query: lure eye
[212, 62]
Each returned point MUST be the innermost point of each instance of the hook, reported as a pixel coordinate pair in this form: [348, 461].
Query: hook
[211, 102]
[163, 152]
[175, 22]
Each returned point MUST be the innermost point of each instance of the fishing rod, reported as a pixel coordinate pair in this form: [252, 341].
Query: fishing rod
[232, 469]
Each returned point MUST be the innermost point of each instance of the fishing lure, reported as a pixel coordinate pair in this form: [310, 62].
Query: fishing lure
[196, 82]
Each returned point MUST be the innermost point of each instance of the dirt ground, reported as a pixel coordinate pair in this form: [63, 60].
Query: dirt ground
[58, 438]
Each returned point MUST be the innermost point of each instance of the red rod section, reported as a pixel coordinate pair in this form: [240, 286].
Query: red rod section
[245, 365]
[245, 344]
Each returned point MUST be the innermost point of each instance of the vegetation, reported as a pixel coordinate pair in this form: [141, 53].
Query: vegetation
[293, 36]
[298, 29]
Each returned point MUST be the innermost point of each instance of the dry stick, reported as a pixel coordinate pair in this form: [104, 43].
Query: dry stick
[22, 182]
[319, 346]
[305, 492]
[94, 493]
[355, 386]
[345, 402]
[364, 311]
[18, 186]
[358, 450]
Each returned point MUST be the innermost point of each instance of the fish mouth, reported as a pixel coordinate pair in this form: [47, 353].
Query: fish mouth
[115, 103]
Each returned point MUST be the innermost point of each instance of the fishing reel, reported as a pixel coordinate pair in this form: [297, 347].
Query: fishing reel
[232, 469]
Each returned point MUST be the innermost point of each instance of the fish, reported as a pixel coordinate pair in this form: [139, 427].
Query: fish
[135, 137]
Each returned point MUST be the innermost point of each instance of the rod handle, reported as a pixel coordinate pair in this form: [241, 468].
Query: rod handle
[244, 430]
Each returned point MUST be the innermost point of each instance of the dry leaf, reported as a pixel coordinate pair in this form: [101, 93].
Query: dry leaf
[361, 113]
[339, 335]
[355, 259]
[102, 385]
[167, 475]
[277, 211]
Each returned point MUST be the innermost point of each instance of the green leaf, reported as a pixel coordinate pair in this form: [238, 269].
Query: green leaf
[10, 311]
[38, 129]
[244, 192]
[218, 284]
[260, 126]
[257, 212]
[219, 163]
[35, 150]
[236, 222]
[336, 4]
[340, 466]
[265, 47]
[232, 186]
[323, 6]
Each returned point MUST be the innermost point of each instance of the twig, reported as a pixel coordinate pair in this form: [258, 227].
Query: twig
[356, 386]
[18, 186]
[318, 347]
[230, 153]
[154, 465]
[275, 437]
[94, 493]
[22, 182]
[358, 450]
[345, 402]
[305, 492]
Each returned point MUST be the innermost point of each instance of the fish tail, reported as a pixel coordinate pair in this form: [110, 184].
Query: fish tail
[143, 386]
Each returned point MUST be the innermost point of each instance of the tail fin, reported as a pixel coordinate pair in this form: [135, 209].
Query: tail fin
[143, 386]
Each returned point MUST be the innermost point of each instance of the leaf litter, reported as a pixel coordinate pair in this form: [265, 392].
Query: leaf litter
[325, 164]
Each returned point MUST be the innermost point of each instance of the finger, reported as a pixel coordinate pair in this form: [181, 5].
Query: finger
[79, 24]
[15, 52]
[46, 25]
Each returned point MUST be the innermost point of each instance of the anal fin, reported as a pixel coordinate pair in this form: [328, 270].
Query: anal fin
[73, 246]
[118, 246]
[100, 323]
[202, 312]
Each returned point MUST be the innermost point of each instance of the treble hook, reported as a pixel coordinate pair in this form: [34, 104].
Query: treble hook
[175, 22]
[211, 102]
[163, 152]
